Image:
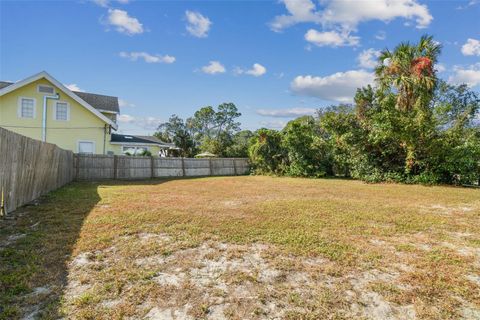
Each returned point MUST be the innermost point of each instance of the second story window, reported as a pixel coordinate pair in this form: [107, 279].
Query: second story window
[62, 111]
[27, 108]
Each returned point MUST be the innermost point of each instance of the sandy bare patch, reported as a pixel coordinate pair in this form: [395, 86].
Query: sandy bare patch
[218, 280]
[448, 210]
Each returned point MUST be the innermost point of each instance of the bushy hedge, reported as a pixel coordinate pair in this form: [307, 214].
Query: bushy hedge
[374, 141]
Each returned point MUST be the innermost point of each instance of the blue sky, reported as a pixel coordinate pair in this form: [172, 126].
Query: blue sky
[274, 59]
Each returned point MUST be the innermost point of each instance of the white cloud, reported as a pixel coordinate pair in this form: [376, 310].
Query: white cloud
[285, 113]
[146, 123]
[348, 14]
[471, 47]
[469, 75]
[101, 3]
[381, 35]
[74, 87]
[106, 3]
[340, 86]
[368, 58]
[124, 103]
[273, 124]
[147, 57]
[257, 70]
[440, 67]
[331, 38]
[300, 11]
[198, 25]
[213, 67]
[125, 118]
[469, 4]
[123, 22]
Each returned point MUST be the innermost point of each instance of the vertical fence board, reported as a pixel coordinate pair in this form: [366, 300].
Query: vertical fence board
[97, 167]
[30, 168]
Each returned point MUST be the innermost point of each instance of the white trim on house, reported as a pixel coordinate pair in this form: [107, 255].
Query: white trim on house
[85, 141]
[19, 107]
[48, 86]
[67, 91]
[54, 113]
[107, 111]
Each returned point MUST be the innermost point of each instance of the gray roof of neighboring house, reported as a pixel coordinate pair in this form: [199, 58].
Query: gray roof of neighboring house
[126, 138]
[4, 84]
[98, 101]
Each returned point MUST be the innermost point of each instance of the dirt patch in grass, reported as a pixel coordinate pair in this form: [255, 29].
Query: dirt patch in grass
[218, 280]
[244, 248]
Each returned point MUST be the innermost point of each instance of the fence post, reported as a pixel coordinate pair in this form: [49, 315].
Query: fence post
[152, 167]
[115, 165]
[183, 167]
[234, 167]
[210, 165]
[77, 169]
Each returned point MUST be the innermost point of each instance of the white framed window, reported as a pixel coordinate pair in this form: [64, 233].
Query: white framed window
[26, 108]
[134, 150]
[43, 88]
[61, 111]
[86, 147]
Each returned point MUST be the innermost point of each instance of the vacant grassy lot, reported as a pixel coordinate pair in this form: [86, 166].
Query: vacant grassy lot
[243, 248]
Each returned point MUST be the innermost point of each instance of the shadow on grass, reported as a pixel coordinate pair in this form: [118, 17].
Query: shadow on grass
[36, 243]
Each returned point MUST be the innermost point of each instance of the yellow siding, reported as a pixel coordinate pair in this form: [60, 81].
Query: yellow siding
[82, 125]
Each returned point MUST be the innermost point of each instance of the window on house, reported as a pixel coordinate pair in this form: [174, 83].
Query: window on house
[61, 111]
[27, 108]
[86, 147]
[134, 150]
[45, 89]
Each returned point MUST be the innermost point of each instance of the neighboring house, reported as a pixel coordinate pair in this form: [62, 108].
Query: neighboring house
[134, 145]
[40, 107]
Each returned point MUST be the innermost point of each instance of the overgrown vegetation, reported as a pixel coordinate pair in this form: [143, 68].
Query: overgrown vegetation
[209, 130]
[411, 127]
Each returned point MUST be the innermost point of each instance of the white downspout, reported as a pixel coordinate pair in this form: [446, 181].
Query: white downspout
[44, 117]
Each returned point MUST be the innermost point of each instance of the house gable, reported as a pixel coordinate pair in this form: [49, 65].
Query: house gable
[59, 88]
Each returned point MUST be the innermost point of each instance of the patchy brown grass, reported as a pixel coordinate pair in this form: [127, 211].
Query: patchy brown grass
[244, 248]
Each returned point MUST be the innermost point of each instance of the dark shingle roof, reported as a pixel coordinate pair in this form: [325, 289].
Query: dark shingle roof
[138, 139]
[152, 139]
[4, 84]
[98, 101]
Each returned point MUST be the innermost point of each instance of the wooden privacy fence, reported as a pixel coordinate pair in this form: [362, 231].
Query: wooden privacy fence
[96, 167]
[30, 168]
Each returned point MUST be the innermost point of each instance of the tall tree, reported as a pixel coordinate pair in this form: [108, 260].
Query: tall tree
[177, 131]
[407, 74]
[409, 71]
[203, 123]
[240, 144]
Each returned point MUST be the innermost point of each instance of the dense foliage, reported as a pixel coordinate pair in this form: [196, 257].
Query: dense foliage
[209, 130]
[410, 127]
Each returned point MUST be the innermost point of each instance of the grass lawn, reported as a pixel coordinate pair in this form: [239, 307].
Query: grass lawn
[244, 248]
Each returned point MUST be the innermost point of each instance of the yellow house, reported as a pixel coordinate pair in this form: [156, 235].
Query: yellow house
[40, 107]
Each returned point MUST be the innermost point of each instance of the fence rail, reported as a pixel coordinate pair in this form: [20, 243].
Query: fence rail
[30, 168]
[98, 167]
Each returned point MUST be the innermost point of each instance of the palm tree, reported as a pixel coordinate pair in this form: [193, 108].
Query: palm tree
[408, 72]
